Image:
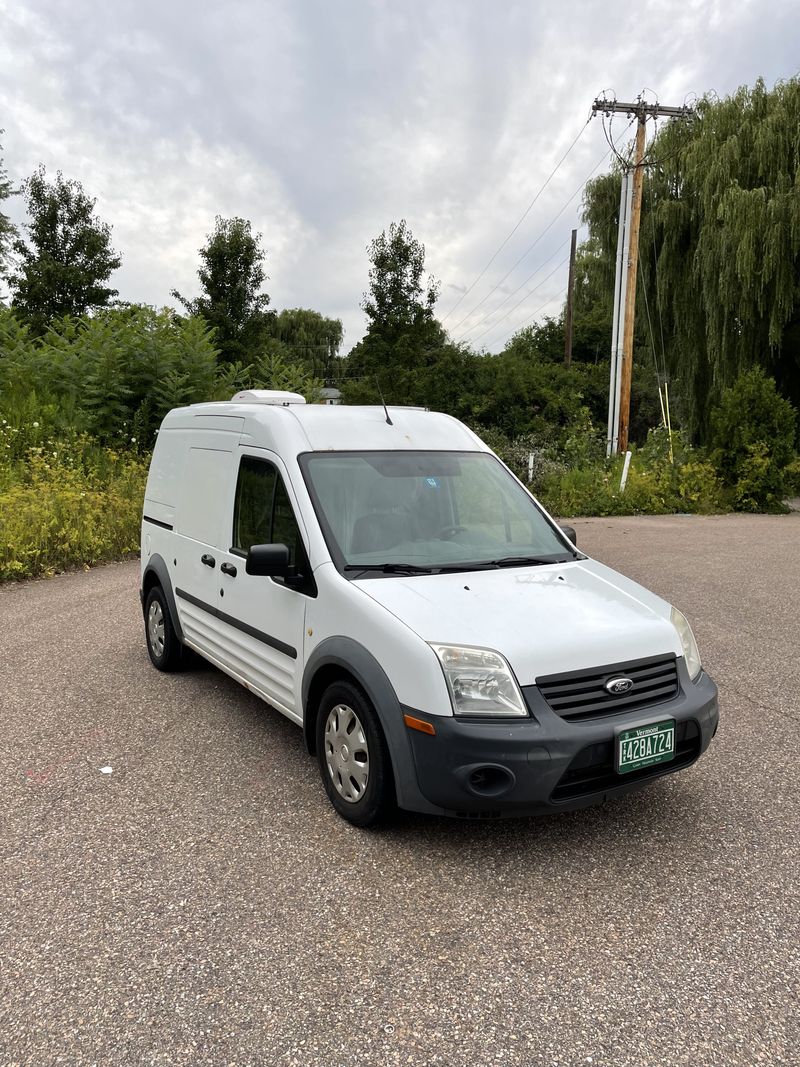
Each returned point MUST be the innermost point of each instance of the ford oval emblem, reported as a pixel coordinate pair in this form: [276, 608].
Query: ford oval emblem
[618, 686]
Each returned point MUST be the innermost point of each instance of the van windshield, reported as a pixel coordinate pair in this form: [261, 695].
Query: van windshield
[427, 512]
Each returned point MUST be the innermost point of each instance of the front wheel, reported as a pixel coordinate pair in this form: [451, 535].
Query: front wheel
[353, 757]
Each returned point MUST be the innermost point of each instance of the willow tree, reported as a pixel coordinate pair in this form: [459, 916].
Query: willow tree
[719, 245]
[309, 338]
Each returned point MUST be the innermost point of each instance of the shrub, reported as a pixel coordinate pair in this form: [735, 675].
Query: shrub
[791, 477]
[68, 506]
[753, 437]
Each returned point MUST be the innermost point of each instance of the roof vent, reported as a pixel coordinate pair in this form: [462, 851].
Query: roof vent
[275, 397]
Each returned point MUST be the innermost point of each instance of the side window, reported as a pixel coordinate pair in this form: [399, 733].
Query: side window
[252, 512]
[284, 525]
[262, 513]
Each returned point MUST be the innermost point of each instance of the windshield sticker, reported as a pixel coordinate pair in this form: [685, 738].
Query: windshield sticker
[432, 482]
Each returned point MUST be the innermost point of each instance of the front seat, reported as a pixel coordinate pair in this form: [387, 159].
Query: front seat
[385, 525]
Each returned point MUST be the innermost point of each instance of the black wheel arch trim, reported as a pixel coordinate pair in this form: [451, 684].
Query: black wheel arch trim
[354, 659]
[156, 565]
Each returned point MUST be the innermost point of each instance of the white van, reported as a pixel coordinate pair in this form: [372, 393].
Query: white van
[383, 580]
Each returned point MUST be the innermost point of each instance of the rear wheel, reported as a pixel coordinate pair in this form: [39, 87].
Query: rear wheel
[353, 757]
[163, 644]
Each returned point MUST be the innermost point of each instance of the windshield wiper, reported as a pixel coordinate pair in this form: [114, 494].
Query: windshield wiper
[524, 561]
[454, 567]
[392, 568]
[482, 565]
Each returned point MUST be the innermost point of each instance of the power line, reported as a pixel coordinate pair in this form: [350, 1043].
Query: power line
[513, 293]
[531, 247]
[522, 218]
[550, 275]
[528, 321]
[649, 320]
[530, 292]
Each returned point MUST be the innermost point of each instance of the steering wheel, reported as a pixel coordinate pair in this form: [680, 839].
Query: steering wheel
[447, 532]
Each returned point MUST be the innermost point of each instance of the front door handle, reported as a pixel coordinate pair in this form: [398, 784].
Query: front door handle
[208, 560]
[228, 568]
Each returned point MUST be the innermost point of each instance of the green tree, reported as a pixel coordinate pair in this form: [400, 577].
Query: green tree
[397, 300]
[66, 261]
[231, 276]
[113, 374]
[309, 338]
[753, 434]
[403, 337]
[7, 229]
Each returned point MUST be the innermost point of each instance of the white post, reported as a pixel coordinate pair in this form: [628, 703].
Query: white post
[625, 467]
[530, 467]
[620, 289]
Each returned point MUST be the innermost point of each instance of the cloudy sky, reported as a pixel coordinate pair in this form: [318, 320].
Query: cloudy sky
[323, 120]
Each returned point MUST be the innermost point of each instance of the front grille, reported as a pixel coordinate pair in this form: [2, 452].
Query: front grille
[592, 770]
[582, 695]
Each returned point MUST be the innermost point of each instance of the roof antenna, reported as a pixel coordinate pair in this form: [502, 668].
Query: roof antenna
[380, 394]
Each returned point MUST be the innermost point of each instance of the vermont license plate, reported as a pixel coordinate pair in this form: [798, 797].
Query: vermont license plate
[644, 746]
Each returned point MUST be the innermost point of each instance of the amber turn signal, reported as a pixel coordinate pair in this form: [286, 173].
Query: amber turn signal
[419, 724]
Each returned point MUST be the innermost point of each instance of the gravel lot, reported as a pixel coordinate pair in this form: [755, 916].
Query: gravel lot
[203, 904]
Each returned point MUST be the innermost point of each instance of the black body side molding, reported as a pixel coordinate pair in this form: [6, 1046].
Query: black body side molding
[259, 635]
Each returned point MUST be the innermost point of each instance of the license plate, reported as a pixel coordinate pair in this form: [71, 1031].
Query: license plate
[644, 746]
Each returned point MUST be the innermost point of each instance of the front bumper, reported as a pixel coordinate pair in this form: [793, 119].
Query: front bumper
[546, 764]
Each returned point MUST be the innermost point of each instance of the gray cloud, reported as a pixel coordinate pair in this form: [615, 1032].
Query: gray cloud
[322, 122]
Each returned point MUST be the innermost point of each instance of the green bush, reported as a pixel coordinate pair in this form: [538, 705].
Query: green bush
[115, 375]
[68, 504]
[753, 437]
[791, 477]
[655, 485]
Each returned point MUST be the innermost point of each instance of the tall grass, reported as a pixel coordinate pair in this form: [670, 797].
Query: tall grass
[67, 503]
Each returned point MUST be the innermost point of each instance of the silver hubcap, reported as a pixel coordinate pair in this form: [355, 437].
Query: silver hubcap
[346, 753]
[155, 628]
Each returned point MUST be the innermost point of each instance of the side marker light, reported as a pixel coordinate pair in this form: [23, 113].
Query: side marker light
[419, 724]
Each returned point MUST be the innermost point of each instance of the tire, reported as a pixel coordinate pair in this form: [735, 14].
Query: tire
[163, 645]
[353, 757]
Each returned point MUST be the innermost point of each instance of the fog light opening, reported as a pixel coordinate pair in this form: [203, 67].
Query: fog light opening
[490, 781]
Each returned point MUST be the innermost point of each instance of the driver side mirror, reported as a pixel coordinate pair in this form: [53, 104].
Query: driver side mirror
[271, 561]
[569, 531]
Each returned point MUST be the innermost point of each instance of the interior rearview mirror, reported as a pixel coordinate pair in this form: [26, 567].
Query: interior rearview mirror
[272, 561]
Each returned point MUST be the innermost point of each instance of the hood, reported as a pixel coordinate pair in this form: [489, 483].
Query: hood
[544, 620]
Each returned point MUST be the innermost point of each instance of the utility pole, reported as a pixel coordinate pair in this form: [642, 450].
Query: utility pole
[641, 111]
[570, 301]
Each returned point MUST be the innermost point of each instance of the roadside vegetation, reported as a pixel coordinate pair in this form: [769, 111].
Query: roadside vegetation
[85, 378]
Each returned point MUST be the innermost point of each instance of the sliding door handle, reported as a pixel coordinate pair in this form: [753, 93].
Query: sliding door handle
[228, 568]
[208, 560]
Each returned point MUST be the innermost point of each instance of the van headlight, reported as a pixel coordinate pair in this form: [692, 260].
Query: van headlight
[480, 682]
[688, 643]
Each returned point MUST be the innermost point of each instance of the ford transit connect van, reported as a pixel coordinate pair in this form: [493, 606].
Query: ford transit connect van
[382, 579]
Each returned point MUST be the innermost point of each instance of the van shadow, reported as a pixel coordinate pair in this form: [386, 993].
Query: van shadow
[619, 829]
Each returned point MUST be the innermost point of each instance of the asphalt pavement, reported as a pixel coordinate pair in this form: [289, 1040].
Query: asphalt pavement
[176, 889]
